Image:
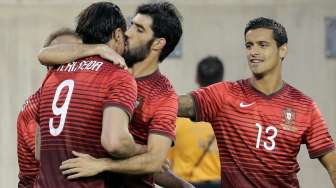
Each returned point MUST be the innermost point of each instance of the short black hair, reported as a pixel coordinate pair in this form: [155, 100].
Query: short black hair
[58, 33]
[210, 70]
[97, 23]
[166, 24]
[279, 31]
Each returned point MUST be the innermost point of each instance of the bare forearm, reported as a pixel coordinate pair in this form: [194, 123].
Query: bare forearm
[66, 53]
[332, 175]
[186, 106]
[128, 149]
[139, 164]
[329, 162]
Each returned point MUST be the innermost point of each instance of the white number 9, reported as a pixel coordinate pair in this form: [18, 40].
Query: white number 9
[63, 110]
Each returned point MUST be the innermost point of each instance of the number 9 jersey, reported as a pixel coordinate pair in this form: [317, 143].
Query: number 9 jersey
[259, 136]
[73, 98]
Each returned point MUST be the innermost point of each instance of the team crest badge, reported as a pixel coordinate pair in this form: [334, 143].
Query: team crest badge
[289, 117]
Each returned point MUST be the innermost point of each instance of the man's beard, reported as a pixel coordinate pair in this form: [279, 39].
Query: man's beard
[138, 54]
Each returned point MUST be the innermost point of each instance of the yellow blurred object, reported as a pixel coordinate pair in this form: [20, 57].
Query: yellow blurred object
[192, 141]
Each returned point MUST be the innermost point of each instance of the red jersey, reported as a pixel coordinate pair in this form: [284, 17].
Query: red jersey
[156, 111]
[72, 102]
[26, 125]
[259, 136]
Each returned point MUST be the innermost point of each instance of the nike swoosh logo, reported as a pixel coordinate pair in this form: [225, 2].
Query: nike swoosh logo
[244, 105]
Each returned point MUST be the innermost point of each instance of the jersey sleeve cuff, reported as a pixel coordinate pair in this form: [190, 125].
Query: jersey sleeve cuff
[322, 152]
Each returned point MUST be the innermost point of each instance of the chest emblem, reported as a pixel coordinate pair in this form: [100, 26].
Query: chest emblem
[289, 117]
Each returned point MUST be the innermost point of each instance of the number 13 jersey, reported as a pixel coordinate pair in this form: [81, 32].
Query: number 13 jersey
[72, 102]
[259, 136]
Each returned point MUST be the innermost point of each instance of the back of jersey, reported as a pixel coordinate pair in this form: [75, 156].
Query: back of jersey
[72, 101]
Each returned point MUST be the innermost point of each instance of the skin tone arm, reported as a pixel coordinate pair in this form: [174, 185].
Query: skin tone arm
[65, 53]
[329, 162]
[146, 163]
[91, 166]
[168, 179]
[186, 107]
[115, 137]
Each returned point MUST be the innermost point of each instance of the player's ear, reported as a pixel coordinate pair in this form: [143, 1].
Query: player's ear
[283, 50]
[158, 44]
[118, 35]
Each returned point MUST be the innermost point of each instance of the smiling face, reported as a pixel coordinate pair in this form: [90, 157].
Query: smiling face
[263, 55]
[139, 39]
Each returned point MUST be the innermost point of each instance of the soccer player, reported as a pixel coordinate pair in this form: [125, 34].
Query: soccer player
[86, 105]
[261, 122]
[27, 120]
[154, 33]
[195, 156]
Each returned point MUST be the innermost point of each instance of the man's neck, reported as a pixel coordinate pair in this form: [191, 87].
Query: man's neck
[268, 84]
[145, 67]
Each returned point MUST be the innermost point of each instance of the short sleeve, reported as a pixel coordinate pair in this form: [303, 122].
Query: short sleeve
[122, 92]
[208, 100]
[317, 137]
[164, 118]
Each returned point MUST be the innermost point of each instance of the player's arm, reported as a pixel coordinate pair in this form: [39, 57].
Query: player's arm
[320, 143]
[161, 133]
[118, 107]
[150, 162]
[168, 179]
[186, 106]
[65, 53]
[115, 137]
[329, 162]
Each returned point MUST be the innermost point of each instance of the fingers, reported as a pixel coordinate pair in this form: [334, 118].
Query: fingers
[78, 154]
[71, 171]
[121, 63]
[67, 165]
[74, 176]
[165, 166]
[115, 58]
[69, 161]
[74, 173]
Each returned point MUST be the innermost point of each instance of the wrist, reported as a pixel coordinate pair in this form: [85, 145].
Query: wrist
[107, 164]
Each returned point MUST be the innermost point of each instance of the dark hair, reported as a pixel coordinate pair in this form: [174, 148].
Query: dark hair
[60, 32]
[210, 70]
[166, 24]
[96, 23]
[279, 31]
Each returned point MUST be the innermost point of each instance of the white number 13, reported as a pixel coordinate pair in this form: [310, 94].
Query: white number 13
[270, 138]
[63, 110]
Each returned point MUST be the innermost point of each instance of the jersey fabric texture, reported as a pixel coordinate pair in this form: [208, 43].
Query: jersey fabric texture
[155, 113]
[71, 108]
[26, 126]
